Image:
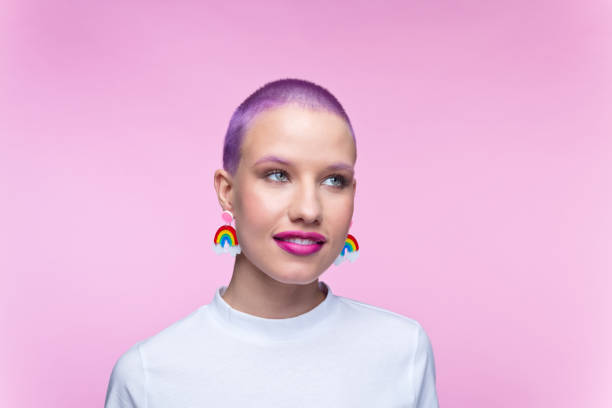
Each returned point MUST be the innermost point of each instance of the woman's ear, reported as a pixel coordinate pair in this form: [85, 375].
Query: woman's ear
[224, 184]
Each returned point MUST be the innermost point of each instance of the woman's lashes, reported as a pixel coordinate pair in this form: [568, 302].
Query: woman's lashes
[275, 172]
[341, 178]
[282, 176]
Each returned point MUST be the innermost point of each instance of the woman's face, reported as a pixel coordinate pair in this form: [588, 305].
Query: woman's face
[295, 174]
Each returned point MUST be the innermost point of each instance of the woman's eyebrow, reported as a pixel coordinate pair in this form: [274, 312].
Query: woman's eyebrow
[276, 159]
[341, 166]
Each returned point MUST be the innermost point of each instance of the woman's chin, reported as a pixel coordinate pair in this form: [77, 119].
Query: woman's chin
[295, 275]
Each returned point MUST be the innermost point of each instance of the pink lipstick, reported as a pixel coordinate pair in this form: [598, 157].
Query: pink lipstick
[300, 242]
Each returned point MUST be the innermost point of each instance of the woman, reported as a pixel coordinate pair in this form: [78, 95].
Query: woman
[276, 336]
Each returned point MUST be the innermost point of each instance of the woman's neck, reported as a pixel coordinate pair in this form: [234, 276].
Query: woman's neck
[252, 291]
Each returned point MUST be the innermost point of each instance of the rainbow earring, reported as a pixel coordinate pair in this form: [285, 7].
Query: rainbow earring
[350, 250]
[225, 240]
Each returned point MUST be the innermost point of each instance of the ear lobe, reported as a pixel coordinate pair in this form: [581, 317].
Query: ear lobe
[223, 183]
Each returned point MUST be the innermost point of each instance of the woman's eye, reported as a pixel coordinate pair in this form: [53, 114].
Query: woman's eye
[337, 180]
[281, 176]
[277, 175]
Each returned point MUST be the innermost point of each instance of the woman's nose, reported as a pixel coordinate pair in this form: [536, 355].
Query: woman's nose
[306, 205]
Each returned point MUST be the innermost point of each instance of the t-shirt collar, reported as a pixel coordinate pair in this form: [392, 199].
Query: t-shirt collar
[263, 329]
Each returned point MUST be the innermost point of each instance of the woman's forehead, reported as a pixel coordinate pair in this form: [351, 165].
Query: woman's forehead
[292, 133]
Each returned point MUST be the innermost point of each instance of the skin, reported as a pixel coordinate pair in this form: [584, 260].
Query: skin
[307, 196]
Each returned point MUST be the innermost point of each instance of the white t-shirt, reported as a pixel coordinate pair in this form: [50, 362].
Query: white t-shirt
[342, 353]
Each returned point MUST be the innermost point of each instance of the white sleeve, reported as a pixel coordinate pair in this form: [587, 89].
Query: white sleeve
[424, 373]
[126, 387]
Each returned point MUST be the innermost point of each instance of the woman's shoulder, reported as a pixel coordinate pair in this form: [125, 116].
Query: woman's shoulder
[178, 334]
[126, 386]
[390, 335]
[381, 319]
[174, 335]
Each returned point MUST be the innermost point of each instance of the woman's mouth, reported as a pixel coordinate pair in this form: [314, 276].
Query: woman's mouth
[300, 243]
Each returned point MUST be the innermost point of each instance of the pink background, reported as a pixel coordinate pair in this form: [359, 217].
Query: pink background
[484, 180]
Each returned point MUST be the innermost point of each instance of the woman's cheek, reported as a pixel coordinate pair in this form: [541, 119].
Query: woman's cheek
[269, 202]
[259, 207]
[341, 208]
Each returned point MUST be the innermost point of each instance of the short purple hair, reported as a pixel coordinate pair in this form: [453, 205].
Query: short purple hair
[271, 95]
